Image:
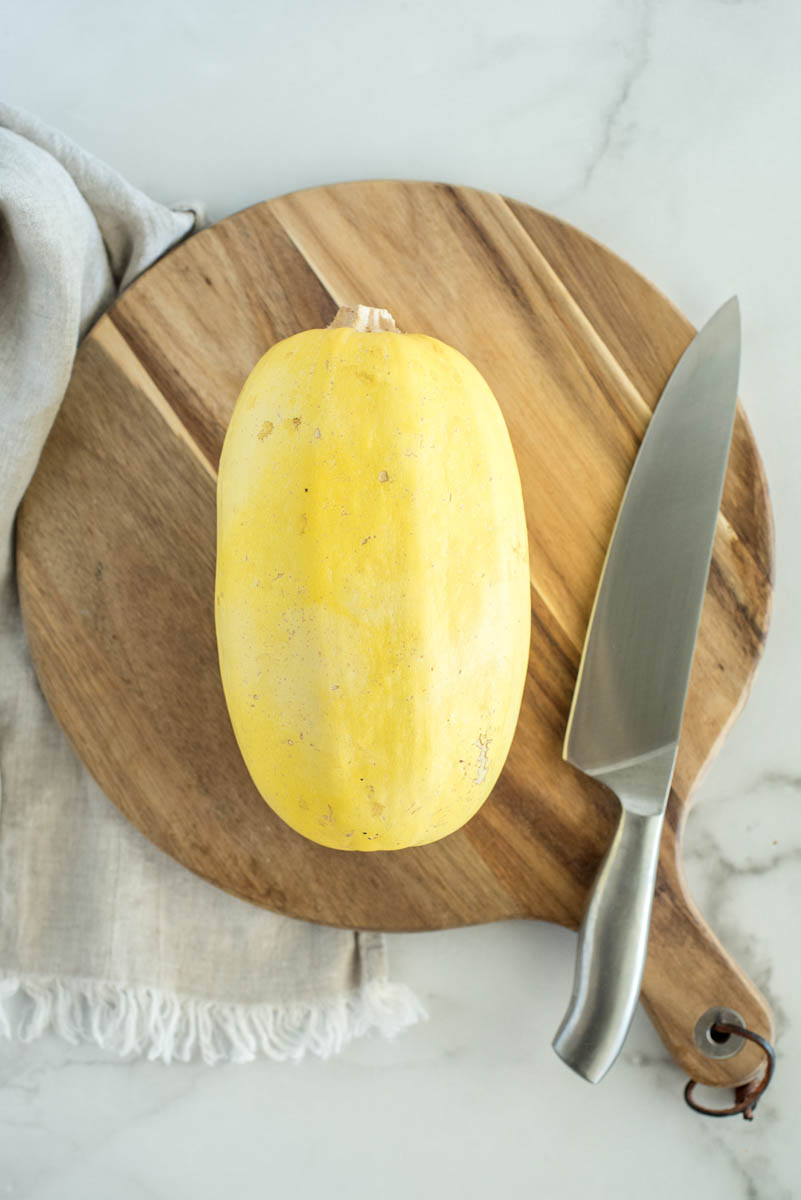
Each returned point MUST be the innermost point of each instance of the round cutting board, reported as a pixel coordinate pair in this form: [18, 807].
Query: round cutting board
[116, 549]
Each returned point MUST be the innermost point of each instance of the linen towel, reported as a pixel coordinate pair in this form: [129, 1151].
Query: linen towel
[102, 936]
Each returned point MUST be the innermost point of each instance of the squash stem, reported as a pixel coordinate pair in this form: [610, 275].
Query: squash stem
[364, 319]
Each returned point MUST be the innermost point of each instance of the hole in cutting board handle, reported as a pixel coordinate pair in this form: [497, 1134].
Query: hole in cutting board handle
[716, 1043]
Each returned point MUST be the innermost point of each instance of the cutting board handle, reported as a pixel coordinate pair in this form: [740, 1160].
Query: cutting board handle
[703, 977]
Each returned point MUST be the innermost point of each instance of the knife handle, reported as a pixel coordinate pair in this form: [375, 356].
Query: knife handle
[613, 943]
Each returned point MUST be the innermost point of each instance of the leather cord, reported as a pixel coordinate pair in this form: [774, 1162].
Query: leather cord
[746, 1095]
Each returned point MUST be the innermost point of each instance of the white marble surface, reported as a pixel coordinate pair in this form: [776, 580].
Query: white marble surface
[669, 131]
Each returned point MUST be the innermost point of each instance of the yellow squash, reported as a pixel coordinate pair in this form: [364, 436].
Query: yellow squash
[372, 596]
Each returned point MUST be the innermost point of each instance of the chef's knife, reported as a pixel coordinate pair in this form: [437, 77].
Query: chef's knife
[629, 698]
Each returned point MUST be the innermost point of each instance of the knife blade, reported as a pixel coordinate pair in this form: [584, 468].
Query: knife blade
[627, 707]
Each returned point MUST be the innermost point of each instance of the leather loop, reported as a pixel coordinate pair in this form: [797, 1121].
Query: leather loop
[746, 1095]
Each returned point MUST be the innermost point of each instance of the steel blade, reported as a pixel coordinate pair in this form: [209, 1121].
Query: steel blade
[635, 665]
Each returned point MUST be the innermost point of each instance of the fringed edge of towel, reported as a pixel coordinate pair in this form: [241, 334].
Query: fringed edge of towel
[137, 1021]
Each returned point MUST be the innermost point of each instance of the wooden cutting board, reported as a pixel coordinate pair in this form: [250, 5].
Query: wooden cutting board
[116, 549]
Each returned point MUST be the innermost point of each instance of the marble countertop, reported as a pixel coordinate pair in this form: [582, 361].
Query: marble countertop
[669, 132]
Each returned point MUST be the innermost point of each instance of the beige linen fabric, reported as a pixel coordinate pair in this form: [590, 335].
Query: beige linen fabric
[103, 937]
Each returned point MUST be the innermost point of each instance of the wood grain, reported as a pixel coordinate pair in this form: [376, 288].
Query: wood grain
[116, 545]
